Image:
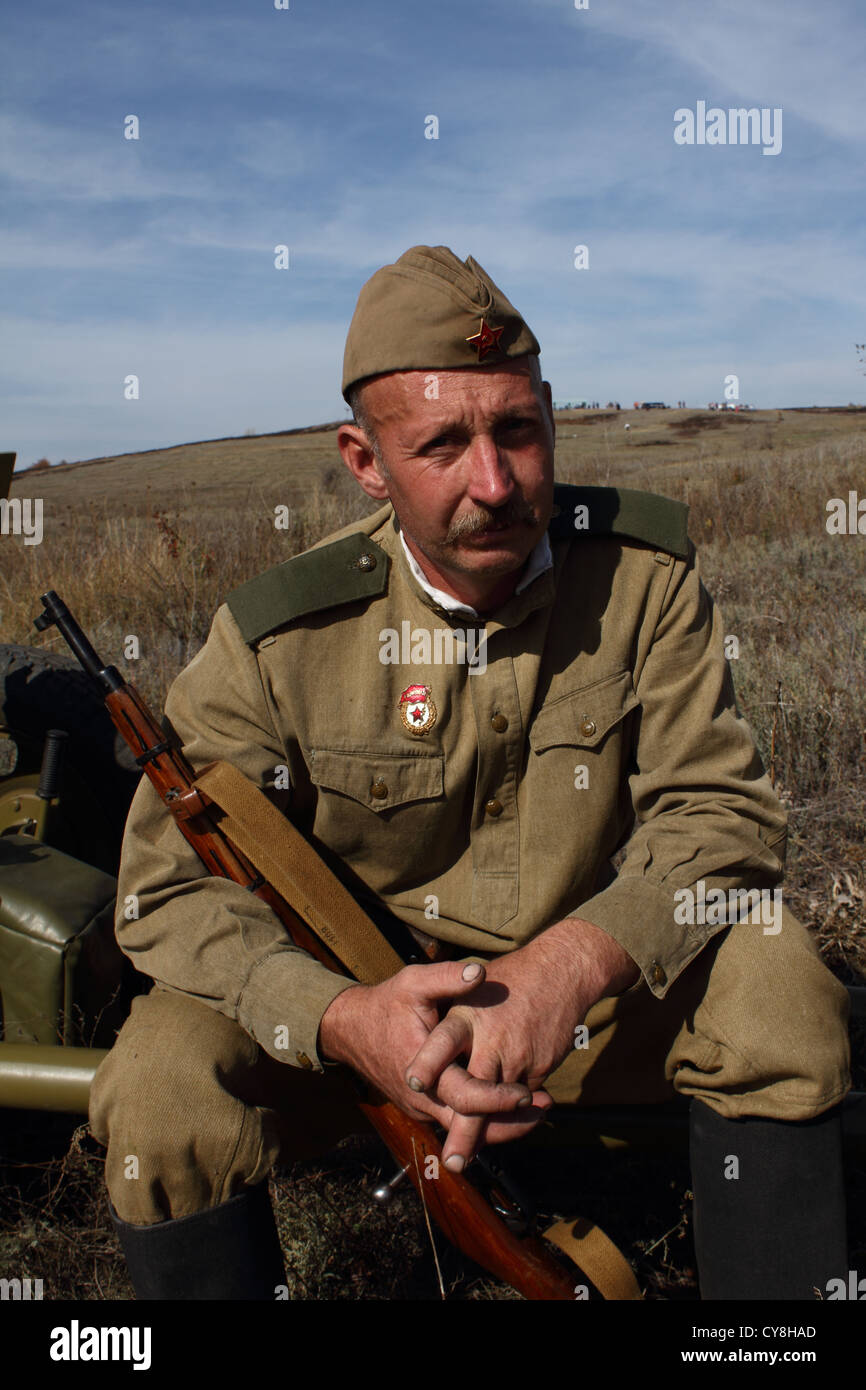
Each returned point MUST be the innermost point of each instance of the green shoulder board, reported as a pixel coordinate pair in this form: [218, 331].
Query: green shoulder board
[621, 511]
[349, 569]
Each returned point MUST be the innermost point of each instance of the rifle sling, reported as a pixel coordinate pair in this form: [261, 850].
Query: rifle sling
[291, 865]
[595, 1253]
[300, 876]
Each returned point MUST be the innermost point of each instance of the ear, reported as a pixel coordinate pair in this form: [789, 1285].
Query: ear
[548, 397]
[358, 456]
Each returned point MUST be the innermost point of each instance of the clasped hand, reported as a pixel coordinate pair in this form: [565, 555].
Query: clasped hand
[478, 1069]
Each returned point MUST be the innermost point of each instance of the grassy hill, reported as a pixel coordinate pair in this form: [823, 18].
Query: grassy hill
[659, 448]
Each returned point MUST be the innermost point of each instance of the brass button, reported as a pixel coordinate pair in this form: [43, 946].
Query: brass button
[493, 807]
[379, 790]
[303, 1061]
[499, 723]
[587, 728]
[365, 562]
[657, 975]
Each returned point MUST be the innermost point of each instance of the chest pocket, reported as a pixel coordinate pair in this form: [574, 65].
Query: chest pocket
[379, 781]
[583, 718]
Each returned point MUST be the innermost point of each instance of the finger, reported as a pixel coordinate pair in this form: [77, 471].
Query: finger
[451, 1037]
[469, 1095]
[432, 1070]
[465, 1132]
[474, 1095]
[462, 1142]
[447, 979]
[536, 1083]
[468, 1133]
[501, 1129]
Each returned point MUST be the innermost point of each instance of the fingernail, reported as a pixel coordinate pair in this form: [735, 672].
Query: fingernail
[526, 1100]
[455, 1163]
[415, 1084]
[472, 971]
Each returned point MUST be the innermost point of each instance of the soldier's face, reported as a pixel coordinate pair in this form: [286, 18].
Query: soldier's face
[470, 470]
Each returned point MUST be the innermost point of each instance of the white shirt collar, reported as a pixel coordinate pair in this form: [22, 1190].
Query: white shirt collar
[540, 559]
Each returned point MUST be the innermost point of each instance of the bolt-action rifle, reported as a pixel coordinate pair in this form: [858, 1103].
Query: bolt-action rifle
[487, 1228]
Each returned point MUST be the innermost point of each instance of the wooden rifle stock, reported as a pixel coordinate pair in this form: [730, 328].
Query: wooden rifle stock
[463, 1214]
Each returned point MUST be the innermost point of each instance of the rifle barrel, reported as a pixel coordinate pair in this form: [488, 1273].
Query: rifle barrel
[55, 613]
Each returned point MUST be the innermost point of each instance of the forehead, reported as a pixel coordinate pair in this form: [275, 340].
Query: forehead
[423, 395]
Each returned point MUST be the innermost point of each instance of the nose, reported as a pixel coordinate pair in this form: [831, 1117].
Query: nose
[490, 479]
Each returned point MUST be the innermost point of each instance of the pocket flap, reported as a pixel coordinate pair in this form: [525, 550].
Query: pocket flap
[583, 717]
[379, 780]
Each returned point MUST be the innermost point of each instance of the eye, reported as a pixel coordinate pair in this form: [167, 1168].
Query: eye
[440, 442]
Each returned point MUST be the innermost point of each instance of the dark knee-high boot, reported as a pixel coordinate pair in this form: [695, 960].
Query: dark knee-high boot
[231, 1252]
[769, 1213]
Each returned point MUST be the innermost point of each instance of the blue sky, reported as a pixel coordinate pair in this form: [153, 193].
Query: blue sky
[306, 127]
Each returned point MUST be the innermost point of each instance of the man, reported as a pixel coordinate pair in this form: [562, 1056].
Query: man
[477, 695]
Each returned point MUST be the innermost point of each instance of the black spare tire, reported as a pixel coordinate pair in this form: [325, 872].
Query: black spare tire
[42, 690]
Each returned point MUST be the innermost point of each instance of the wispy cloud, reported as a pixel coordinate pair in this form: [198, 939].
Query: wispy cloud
[808, 58]
[306, 127]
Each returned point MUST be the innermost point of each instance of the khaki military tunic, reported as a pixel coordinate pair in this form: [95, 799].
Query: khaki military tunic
[606, 696]
[481, 806]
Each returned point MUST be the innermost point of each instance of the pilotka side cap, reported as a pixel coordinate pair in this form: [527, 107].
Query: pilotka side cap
[431, 310]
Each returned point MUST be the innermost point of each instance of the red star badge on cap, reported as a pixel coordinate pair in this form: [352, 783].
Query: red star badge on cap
[485, 340]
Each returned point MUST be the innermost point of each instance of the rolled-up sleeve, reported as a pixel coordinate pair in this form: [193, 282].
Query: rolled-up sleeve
[209, 937]
[706, 815]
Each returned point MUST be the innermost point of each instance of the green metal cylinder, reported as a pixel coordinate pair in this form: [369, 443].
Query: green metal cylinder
[36, 1076]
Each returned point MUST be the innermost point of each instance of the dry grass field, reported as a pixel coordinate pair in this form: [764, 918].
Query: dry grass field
[151, 543]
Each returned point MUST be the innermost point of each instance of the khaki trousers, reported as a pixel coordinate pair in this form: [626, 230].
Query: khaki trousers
[191, 1109]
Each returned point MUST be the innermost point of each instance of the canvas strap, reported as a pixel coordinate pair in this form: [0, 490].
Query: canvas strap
[300, 876]
[595, 1253]
[290, 864]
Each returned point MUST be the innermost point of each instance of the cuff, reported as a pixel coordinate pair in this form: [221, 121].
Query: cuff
[640, 917]
[282, 1004]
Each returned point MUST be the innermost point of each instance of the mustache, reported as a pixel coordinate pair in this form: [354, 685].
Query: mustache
[515, 513]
